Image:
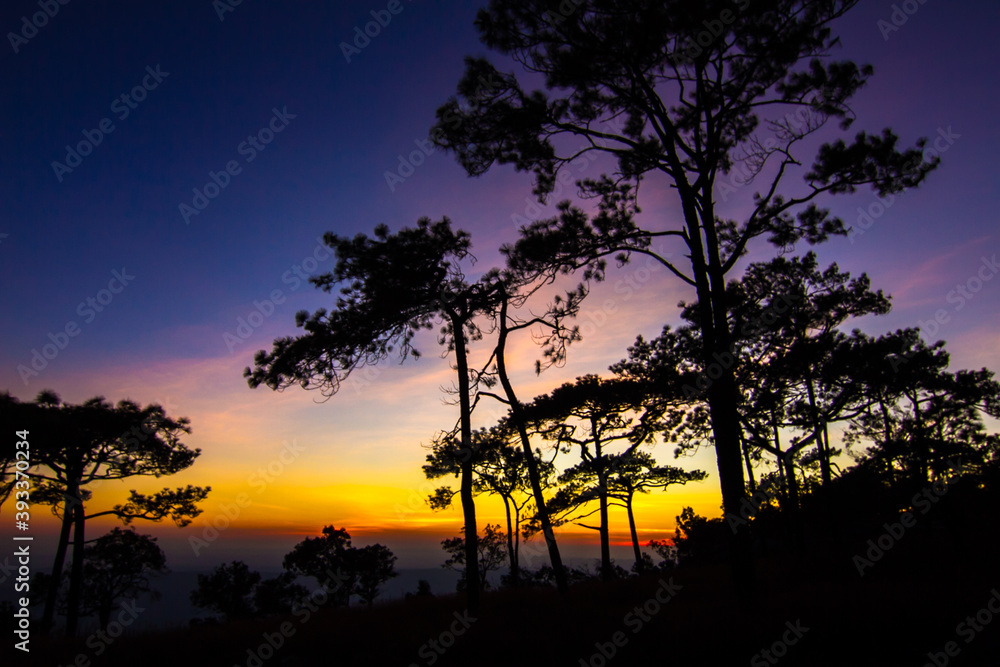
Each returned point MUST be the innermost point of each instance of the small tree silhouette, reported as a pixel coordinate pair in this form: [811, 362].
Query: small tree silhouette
[332, 561]
[118, 565]
[491, 554]
[374, 565]
[227, 590]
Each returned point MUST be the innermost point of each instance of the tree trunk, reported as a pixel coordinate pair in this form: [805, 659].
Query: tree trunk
[105, 616]
[472, 577]
[723, 392]
[607, 574]
[48, 615]
[746, 459]
[824, 454]
[76, 572]
[517, 541]
[511, 553]
[793, 481]
[725, 428]
[562, 585]
[639, 565]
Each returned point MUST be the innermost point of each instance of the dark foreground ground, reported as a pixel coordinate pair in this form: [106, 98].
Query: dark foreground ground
[812, 611]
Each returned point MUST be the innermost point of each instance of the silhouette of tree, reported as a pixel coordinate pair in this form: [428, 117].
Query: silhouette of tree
[227, 590]
[491, 554]
[326, 559]
[374, 566]
[237, 592]
[667, 553]
[786, 316]
[700, 540]
[79, 445]
[500, 469]
[628, 80]
[636, 472]
[920, 417]
[332, 561]
[593, 415]
[278, 595]
[392, 287]
[423, 590]
[116, 566]
[514, 288]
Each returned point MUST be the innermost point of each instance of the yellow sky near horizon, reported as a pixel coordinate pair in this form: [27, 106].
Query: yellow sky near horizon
[293, 463]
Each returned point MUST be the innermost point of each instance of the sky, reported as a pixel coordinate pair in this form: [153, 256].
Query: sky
[169, 169]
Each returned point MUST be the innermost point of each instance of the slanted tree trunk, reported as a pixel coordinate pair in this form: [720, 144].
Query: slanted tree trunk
[640, 566]
[517, 416]
[746, 459]
[824, 454]
[725, 427]
[511, 551]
